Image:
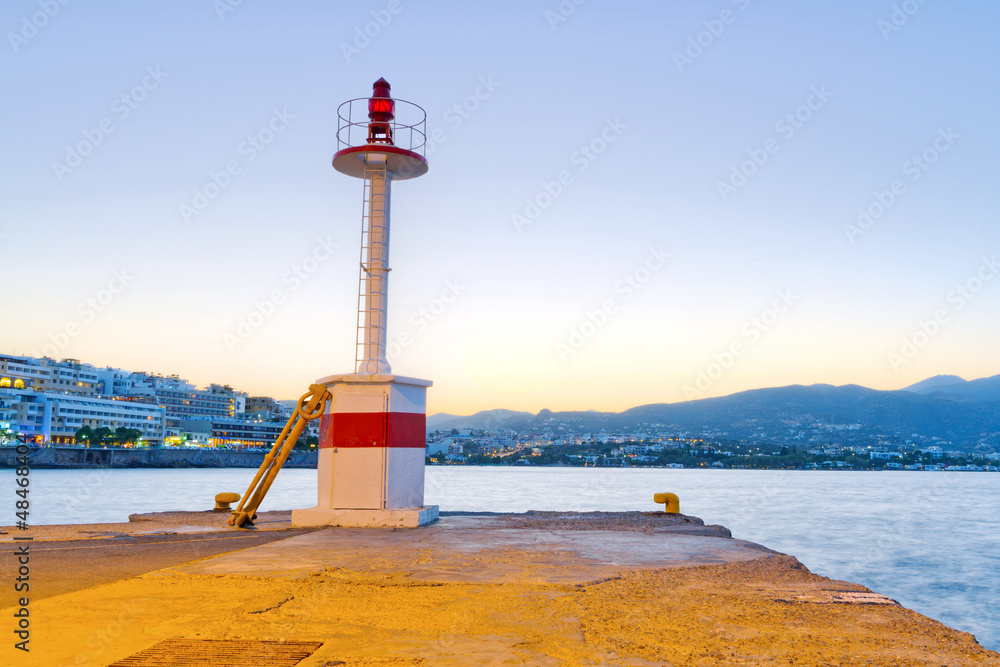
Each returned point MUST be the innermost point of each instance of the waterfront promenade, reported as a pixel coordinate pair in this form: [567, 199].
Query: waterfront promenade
[624, 589]
[73, 457]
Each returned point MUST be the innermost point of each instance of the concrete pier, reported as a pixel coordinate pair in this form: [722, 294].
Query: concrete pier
[541, 588]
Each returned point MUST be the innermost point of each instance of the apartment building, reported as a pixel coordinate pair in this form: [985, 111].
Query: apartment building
[46, 374]
[234, 433]
[56, 417]
[48, 401]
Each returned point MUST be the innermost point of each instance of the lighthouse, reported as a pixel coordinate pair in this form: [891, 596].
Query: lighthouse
[372, 437]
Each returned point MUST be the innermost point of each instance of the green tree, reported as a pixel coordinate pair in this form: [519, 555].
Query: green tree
[84, 434]
[125, 436]
[306, 442]
[101, 436]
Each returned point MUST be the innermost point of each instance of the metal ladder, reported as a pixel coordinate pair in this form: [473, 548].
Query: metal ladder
[372, 287]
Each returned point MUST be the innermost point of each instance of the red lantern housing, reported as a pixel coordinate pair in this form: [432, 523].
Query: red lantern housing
[381, 112]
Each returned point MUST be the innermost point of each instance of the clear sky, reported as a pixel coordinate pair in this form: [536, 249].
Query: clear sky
[627, 202]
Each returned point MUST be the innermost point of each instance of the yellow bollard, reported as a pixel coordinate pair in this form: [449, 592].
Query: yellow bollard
[222, 501]
[670, 500]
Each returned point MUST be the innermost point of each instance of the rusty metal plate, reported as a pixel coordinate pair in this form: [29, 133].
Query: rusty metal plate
[220, 653]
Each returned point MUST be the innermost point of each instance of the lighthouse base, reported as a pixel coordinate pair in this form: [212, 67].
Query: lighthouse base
[372, 441]
[400, 518]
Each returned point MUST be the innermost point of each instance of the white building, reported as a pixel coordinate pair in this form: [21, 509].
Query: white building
[49, 417]
[49, 400]
[21, 373]
[45, 374]
[233, 433]
[265, 407]
[116, 381]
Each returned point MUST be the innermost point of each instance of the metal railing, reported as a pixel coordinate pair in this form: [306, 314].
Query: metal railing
[409, 128]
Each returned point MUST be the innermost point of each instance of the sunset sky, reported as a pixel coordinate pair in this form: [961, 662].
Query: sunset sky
[627, 203]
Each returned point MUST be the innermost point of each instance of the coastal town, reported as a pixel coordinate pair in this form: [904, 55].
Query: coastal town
[46, 402]
[664, 448]
[67, 403]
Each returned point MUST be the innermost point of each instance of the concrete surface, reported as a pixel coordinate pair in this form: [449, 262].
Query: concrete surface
[64, 566]
[475, 549]
[412, 517]
[617, 589]
[155, 523]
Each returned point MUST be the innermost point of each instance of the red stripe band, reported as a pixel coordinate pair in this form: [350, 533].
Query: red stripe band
[373, 429]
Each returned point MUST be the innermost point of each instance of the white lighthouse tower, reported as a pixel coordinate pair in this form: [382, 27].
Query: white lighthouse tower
[372, 438]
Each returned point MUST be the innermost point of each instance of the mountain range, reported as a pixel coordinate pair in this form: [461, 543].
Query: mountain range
[945, 406]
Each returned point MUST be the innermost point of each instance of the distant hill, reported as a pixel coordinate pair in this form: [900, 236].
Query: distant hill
[947, 407]
[780, 409]
[981, 390]
[936, 382]
[434, 421]
[482, 420]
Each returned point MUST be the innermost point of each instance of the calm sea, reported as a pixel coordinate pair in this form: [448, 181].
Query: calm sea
[930, 540]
